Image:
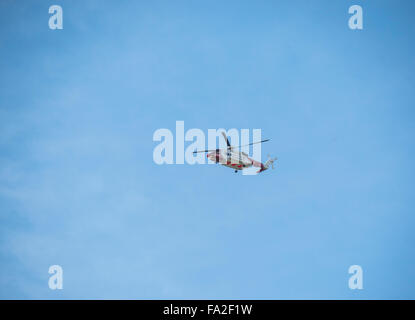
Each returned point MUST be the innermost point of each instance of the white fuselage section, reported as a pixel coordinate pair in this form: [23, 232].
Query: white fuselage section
[231, 159]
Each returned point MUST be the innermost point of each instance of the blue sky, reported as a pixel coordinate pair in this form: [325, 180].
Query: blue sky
[79, 188]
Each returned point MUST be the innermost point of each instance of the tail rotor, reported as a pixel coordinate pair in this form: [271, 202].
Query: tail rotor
[270, 161]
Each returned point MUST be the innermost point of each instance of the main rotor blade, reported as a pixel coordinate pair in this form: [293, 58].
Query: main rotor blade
[249, 144]
[204, 151]
[226, 138]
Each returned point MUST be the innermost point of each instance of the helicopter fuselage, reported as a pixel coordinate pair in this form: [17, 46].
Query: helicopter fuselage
[231, 159]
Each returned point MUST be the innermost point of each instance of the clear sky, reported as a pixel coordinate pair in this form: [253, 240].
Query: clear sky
[79, 188]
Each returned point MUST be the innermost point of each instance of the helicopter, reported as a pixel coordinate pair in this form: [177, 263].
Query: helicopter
[235, 159]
